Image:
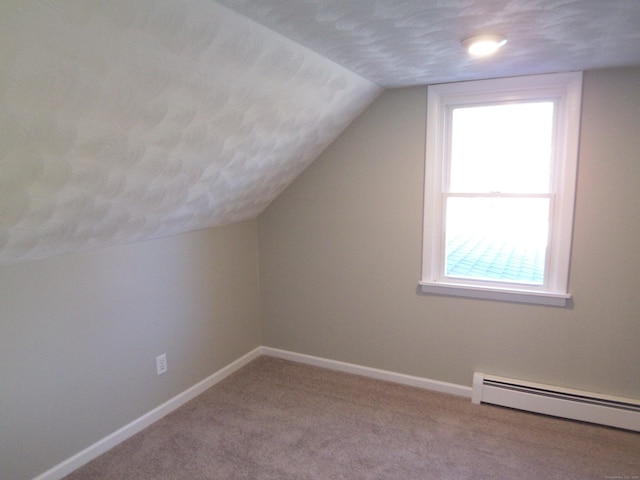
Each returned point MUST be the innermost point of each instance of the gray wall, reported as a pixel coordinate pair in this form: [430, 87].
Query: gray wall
[340, 254]
[79, 335]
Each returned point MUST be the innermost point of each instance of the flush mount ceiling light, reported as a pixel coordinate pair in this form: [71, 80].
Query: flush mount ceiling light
[483, 45]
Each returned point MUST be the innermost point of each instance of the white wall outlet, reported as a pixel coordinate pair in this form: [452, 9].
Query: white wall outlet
[161, 363]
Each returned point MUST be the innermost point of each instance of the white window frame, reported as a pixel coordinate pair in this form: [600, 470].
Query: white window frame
[565, 89]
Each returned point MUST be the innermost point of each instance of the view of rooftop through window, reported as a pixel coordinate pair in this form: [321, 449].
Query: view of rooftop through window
[497, 192]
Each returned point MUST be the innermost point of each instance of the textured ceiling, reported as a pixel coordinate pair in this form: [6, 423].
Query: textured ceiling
[417, 42]
[122, 121]
[126, 120]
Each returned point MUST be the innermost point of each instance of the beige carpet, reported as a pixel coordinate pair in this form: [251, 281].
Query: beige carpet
[276, 419]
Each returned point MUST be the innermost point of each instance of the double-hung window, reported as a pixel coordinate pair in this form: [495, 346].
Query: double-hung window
[501, 165]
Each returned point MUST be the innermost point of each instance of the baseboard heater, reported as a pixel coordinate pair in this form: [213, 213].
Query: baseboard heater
[559, 402]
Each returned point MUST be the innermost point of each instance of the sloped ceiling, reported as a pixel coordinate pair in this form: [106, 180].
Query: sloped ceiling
[127, 120]
[122, 121]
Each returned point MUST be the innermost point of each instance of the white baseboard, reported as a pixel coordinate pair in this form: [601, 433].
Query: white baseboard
[93, 451]
[420, 382]
[110, 441]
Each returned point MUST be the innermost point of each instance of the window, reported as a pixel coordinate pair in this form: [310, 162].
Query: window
[501, 166]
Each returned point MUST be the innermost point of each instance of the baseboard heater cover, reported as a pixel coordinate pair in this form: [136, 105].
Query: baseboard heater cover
[557, 401]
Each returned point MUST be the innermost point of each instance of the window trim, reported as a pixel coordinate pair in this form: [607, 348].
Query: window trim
[566, 90]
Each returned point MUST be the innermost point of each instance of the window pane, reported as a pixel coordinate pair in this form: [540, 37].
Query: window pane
[503, 239]
[501, 148]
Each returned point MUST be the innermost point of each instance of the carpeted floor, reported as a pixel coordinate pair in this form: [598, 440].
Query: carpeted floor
[281, 420]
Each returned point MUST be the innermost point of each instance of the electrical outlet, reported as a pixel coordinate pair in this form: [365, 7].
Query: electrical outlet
[161, 363]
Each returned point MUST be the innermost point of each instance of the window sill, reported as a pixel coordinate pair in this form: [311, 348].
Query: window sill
[498, 294]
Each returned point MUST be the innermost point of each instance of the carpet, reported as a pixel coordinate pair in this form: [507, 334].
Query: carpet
[280, 420]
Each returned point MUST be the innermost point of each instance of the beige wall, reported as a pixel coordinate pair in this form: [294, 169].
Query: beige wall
[339, 265]
[340, 254]
[79, 335]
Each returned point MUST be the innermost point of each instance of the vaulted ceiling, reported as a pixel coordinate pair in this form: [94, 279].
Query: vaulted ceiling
[122, 121]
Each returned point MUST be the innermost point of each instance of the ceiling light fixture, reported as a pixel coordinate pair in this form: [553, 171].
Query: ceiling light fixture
[483, 45]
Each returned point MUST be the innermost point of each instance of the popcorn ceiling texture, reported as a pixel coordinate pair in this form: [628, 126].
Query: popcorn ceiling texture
[122, 121]
[417, 42]
[127, 120]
